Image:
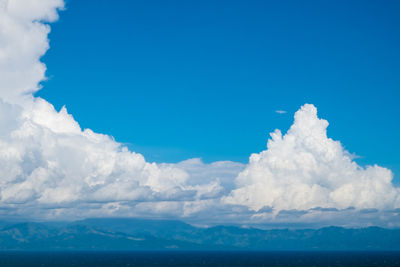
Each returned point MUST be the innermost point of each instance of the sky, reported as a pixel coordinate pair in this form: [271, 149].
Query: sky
[188, 79]
[170, 110]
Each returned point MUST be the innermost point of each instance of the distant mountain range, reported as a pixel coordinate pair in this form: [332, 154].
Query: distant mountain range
[137, 234]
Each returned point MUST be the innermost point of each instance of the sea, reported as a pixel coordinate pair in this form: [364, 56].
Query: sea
[200, 258]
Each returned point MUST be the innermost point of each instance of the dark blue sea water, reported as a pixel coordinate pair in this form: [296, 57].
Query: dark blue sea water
[200, 258]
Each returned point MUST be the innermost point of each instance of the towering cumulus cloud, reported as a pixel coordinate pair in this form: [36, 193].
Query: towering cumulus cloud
[305, 169]
[51, 168]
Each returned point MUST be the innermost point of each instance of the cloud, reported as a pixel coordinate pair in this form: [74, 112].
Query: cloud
[23, 41]
[281, 111]
[305, 169]
[50, 168]
[47, 161]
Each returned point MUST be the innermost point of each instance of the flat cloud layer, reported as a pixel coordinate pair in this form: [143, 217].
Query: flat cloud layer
[52, 169]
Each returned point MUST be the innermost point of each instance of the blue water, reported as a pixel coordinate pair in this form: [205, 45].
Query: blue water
[199, 258]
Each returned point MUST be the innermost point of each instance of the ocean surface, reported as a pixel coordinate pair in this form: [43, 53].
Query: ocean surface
[200, 258]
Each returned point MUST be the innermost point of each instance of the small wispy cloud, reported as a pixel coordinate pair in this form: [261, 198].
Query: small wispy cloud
[281, 111]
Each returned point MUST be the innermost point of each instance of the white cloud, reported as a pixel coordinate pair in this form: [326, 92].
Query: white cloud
[305, 169]
[46, 160]
[281, 111]
[23, 40]
[51, 168]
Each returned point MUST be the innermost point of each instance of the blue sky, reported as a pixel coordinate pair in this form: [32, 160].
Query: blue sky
[196, 87]
[182, 79]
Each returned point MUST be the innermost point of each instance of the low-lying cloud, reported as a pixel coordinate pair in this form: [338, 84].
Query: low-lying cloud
[52, 169]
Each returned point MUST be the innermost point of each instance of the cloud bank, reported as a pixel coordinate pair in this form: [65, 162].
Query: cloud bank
[52, 169]
[47, 162]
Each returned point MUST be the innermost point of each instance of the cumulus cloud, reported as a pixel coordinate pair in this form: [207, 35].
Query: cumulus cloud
[51, 168]
[23, 40]
[46, 160]
[305, 169]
